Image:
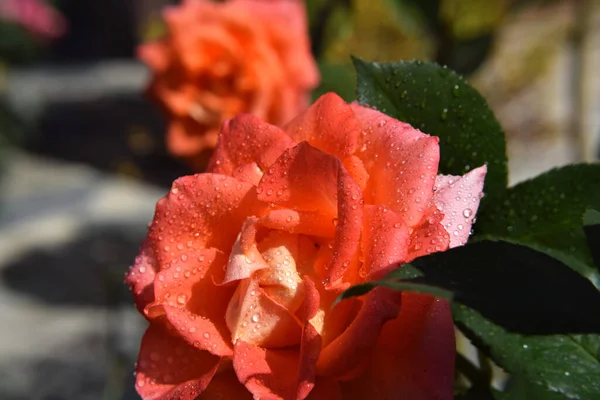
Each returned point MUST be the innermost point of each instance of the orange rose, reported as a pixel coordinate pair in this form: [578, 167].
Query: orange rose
[242, 264]
[222, 59]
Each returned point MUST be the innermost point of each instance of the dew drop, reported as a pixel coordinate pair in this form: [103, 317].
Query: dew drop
[255, 318]
[181, 299]
[467, 212]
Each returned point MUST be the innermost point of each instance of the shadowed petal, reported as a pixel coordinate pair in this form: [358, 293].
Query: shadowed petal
[414, 358]
[345, 354]
[168, 368]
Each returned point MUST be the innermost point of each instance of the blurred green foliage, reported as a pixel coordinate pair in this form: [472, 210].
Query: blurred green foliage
[457, 33]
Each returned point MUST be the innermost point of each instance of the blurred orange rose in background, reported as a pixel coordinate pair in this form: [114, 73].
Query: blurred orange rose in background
[222, 59]
[241, 265]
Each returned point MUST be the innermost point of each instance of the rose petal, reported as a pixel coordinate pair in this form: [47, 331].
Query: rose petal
[356, 169]
[458, 198]
[303, 178]
[194, 305]
[225, 386]
[266, 373]
[402, 174]
[343, 267]
[310, 346]
[140, 277]
[201, 211]
[346, 354]
[183, 273]
[288, 30]
[299, 222]
[429, 237]
[329, 125]
[414, 358]
[187, 138]
[282, 373]
[326, 388]
[256, 319]
[281, 280]
[245, 259]
[169, 368]
[247, 141]
[384, 241]
[216, 41]
[155, 54]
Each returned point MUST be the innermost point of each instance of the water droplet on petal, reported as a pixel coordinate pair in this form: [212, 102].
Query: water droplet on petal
[255, 318]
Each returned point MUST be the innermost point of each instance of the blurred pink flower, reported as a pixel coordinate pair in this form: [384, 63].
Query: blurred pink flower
[34, 15]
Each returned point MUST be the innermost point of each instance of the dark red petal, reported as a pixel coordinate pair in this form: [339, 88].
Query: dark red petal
[345, 354]
[414, 358]
[225, 386]
[168, 368]
[326, 389]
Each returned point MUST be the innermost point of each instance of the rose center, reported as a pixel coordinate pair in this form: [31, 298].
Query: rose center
[263, 308]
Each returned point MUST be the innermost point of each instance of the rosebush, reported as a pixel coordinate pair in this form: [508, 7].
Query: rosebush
[242, 264]
[217, 62]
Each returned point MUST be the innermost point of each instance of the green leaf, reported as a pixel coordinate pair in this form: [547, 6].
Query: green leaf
[396, 284]
[591, 217]
[496, 279]
[399, 279]
[591, 222]
[439, 102]
[336, 78]
[543, 367]
[545, 213]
